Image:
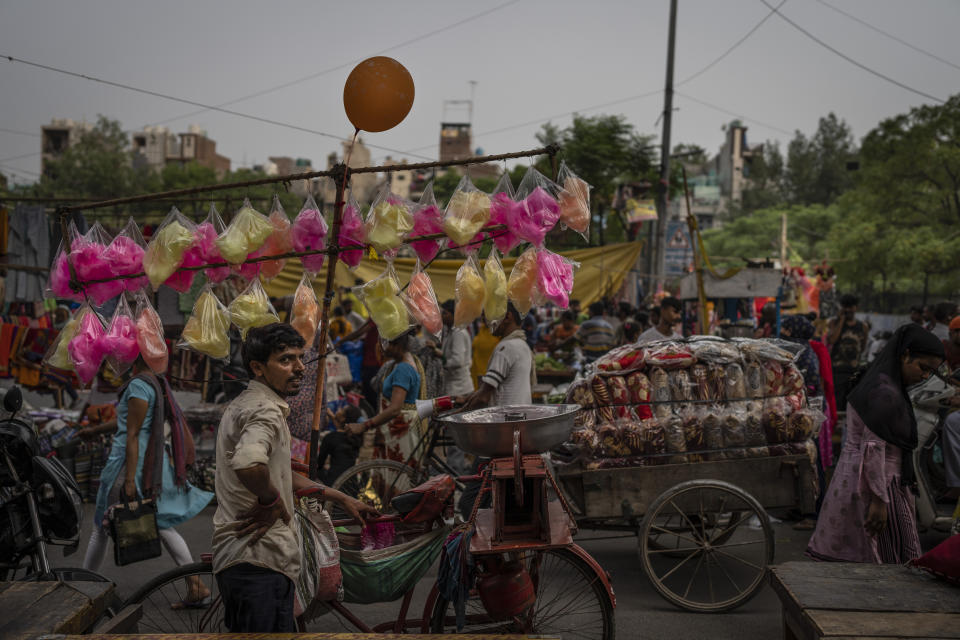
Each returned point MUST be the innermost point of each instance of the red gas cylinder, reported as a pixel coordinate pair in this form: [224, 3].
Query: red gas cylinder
[506, 591]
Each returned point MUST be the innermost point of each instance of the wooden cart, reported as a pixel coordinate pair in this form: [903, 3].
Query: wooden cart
[705, 540]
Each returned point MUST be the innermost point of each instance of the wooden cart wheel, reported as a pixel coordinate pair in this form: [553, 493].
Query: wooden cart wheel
[699, 548]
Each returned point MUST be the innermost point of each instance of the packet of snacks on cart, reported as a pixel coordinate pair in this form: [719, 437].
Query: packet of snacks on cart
[467, 212]
[90, 260]
[715, 350]
[669, 355]
[624, 358]
[469, 293]
[309, 233]
[353, 233]
[120, 341]
[710, 417]
[776, 412]
[675, 438]
[245, 234]
[639, 387]
[390, 219]
[555, 277]
[164, 253]
[207, 327]
[765, 349]
[587, 439]
[654, 438]
[579, 392]
[681, 388]
[603, 399]
[716, 378]
[306, 310]
[755, 378]
[631, 435]
[660, 393]
[522, 283]
[86, 348]
[252, 309]
[735, 385]
[57, 355]
[150, 338]
[612, 444]
[734, 422]
[125, 255]
[574, 201]
[539, 210]
[278, 242]
[620, 395]
[427, 220]
[58, 286]
[387, 309]
[804, 424]
[423, 301]
[504, 207]
[206, 235]
[699, 383]
[753, 424]
[693, 430]
[495, 290]
[772, 378]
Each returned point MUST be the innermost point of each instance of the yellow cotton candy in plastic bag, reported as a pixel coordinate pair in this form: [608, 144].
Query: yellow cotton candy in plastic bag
[252, 309]
[386, 308]
[469, 292]
[467, 213]
[206, 329]
[59, 358]
[523, 280]
[387, 224]
[495, 286]
[164, 254]
[245, 234]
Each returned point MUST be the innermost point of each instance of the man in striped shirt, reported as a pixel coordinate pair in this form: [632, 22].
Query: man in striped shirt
[596, 335]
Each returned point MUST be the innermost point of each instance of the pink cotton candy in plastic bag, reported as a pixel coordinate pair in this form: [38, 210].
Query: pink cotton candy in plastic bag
[90, 263]
[150, 337]
[125, 256]
[86, 349]
[120, 341]
[502, 208]
[182, 280]
[353, 233]
[308, 233]
[58, 286]
[250, 271]
[554, 277]
[427, 220]
[206, 239]
[540, 210]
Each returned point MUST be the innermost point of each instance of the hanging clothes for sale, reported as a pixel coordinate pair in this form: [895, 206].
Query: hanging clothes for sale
[29, 244]
[4, 228]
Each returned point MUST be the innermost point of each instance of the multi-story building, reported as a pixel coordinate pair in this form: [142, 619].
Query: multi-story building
[195, 146]
[156, 147]
[364, 185]
[60, 135]
[285, 165]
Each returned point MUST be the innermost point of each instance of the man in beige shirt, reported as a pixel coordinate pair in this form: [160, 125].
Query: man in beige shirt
[256, 552]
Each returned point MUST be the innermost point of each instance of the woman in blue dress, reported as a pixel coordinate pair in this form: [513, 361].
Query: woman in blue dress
[140, 465]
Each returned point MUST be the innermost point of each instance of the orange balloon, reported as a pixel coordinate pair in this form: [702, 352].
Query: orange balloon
[378, 94]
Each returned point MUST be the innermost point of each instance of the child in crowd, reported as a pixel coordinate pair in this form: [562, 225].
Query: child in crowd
[341, 446]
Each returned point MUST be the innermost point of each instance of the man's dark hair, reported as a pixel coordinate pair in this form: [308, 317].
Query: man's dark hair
[849, 300]
[263, 342]
[358, 281]
[631, 330]
[673, 303]
[575, 302]
[338, 311]
[567, 315]
[346, 302]
[351, 413]
[513, 312]
[596, 309]
[626, 308]
[449, 305]
[643, 318]
[916, 308]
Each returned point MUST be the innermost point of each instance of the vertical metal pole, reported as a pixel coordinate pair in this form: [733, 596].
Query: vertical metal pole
[664, 186]
[783, 240]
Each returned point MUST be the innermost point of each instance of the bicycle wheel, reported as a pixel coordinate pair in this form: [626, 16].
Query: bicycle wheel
[160, 595]
[572, 602]
[714, 561]
[375, 482]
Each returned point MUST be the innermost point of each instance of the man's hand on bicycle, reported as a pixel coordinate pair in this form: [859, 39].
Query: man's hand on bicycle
[358, 510]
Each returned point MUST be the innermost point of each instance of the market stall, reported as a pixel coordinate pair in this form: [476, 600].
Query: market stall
[747, 283]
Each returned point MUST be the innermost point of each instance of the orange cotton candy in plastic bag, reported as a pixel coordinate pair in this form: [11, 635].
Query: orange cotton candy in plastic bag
[521, 287]
[153, 347]
[305, 311]
[423, 302]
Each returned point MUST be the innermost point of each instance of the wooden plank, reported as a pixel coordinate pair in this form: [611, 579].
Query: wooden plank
[52, 607]
[308, 636]
[832, 624]
[842, 586]
[17, 598]
[124, 622]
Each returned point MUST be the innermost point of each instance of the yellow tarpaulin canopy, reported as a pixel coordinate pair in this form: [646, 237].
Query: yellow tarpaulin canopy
[602, 270]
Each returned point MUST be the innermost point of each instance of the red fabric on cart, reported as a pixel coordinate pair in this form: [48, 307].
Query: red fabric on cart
[826, 431]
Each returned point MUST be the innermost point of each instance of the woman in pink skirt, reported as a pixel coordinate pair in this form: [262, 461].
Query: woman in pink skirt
[868, 511]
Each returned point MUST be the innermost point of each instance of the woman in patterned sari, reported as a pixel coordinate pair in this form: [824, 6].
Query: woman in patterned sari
[398, 428]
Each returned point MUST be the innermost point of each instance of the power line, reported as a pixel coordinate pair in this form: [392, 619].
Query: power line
[733, 46]
[733, 113]
[21, 133]
[20, 157]
[848, 58]
[317, 74]
[889, 35]
[157, 94]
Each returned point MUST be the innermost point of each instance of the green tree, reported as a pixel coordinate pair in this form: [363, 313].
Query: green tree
[764, 188]
[817, 169]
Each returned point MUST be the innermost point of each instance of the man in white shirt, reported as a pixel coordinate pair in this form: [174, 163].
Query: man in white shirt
[670, 315]
[457, 349]
[510, 374]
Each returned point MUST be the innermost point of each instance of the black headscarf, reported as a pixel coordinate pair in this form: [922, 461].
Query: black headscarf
[880, 396]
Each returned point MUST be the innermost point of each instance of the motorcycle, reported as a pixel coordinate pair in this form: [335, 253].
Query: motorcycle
[930, 410]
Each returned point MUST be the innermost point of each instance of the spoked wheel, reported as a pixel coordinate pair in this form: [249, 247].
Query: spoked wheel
[572, 602]
[168, 590]
[375, 482]
[698, 550]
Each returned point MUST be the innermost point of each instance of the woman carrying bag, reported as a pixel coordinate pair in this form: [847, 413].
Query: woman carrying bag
[139, 466]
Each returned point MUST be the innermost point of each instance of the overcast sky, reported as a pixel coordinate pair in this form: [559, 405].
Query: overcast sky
[532, 60]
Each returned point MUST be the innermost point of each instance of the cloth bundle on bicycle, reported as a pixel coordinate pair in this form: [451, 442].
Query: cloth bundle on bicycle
[385, 575]
[425, 502]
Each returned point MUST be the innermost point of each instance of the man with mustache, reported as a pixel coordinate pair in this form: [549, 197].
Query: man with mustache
[256, 552]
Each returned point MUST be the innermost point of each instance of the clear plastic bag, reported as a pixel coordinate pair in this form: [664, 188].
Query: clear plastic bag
[150, 338]
[735, 384]
[58, 355]
[579, 392]
[427, 220]
[623, 358]
[182, 280]
[207, 327]
[713, 350]
[206, 236]
[469, 293]
[772, 378]
[620, 395]
[388, 221]
[120, 341]
[754, 376]
[495, 290]
[675, 437]
[423, 301]
[717, 379]
[753, 424]
[278, 242]
[660, 393]
[387, 310]
[522, 284]
[252, 309]
[767, 349]
[539, 211]
[639, 387]
[165, 250]
[574, 200]
[86, 348]
[309, 233]
[352, 233]
[693, 431]
[776, 412]
[734, 420]
[245, 234]
[804, 423]
[681, 388]
[89, 257]
[58, 286]
[601, 395]
[467, 212]
[306, 310]
[125, 255]
[699, 383]
[555, 277]
[504, 207]
[669, 354]
[710, 417]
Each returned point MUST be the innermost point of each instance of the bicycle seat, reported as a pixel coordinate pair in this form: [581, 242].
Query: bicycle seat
[425, 502]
